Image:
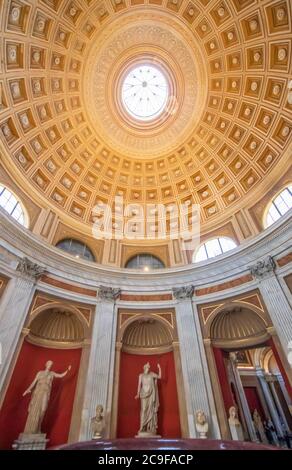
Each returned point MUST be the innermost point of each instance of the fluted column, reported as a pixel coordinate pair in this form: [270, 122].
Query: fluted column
[197, 384]
[272, 381]
[14, 306]
[242, 397]
[99, 382]
[269, 400]
[275, 299]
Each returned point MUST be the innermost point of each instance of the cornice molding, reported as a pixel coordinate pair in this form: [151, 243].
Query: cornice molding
[20, 242]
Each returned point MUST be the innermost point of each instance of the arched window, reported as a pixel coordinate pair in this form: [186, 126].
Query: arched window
[76, 248]
[145, 262]
[12, 205]
[279, 206]
[214, 247]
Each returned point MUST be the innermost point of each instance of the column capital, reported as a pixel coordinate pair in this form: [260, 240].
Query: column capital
[183, 293]
[108, 293]
[25, 331]
[263, 268]
[30, 269]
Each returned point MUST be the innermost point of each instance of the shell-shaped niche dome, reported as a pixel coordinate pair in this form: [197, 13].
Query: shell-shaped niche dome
[56, 326]
[146, 334]
[237, 325]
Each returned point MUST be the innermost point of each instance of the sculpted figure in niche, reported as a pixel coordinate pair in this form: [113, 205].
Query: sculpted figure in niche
[234, 425]
[97, 423]
[259, 427]
[148, 394]
[202, 425]
[41, 390]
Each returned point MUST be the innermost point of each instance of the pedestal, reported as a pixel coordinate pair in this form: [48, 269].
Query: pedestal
[30, 442]
[148, 435]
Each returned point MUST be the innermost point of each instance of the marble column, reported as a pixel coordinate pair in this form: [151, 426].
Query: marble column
[275, 300]
[197, 384]
[284, 391]
[100, 375]
[272, 381]
[269, 400]
[14, 306]
[242, 397]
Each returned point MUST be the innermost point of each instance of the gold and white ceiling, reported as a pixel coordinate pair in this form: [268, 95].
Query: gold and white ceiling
[68, 140]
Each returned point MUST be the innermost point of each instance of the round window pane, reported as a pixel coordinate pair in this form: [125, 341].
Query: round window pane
[145, 92]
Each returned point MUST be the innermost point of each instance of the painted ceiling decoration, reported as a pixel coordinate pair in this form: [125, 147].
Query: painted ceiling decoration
[219, 136]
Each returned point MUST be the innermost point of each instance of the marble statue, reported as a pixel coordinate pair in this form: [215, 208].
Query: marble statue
[40, 389]
[97, 423]
[148, 394]
[202, 425]
[259, 427]
[234, 425]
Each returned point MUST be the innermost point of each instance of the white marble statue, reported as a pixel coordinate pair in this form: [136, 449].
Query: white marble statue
[234, 425]
[202, 425]
[148, 394]
[97, 423]
[41, 390]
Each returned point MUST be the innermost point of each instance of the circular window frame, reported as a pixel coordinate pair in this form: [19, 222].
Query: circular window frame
[170, 108]
[164, 98]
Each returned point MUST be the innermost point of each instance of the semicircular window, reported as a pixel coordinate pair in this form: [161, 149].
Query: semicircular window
[145, 262]
[213, 247]
[279, 206]
[12, 205]
[76, 248]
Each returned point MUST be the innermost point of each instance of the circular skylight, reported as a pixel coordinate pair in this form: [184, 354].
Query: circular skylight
[145, 92]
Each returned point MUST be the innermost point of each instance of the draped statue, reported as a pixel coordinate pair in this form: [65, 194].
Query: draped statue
[148, 394]
[41, 390]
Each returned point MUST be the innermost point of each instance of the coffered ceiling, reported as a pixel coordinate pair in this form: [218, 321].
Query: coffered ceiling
[222, 140]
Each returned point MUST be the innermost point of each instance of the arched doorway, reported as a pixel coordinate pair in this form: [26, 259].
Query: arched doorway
[237, 334]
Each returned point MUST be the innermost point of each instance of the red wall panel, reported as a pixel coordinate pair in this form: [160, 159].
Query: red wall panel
[56, 422]
[129, 408]
[254, 402]
[227, 394]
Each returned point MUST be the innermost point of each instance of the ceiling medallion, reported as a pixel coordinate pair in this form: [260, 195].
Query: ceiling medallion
[112, 103]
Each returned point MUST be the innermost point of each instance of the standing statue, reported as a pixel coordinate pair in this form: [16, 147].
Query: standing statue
[202, 425]
[259, 427]
[41, 390]
[97, 423]
[148, 393]
[234, 425]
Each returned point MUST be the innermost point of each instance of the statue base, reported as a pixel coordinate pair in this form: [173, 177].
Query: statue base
[148, 435]
[30, 442]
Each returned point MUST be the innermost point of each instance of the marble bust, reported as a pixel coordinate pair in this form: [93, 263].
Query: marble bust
[202, 425]
[97, 423]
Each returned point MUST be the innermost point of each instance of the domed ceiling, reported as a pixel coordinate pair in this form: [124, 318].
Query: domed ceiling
[224, 127]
